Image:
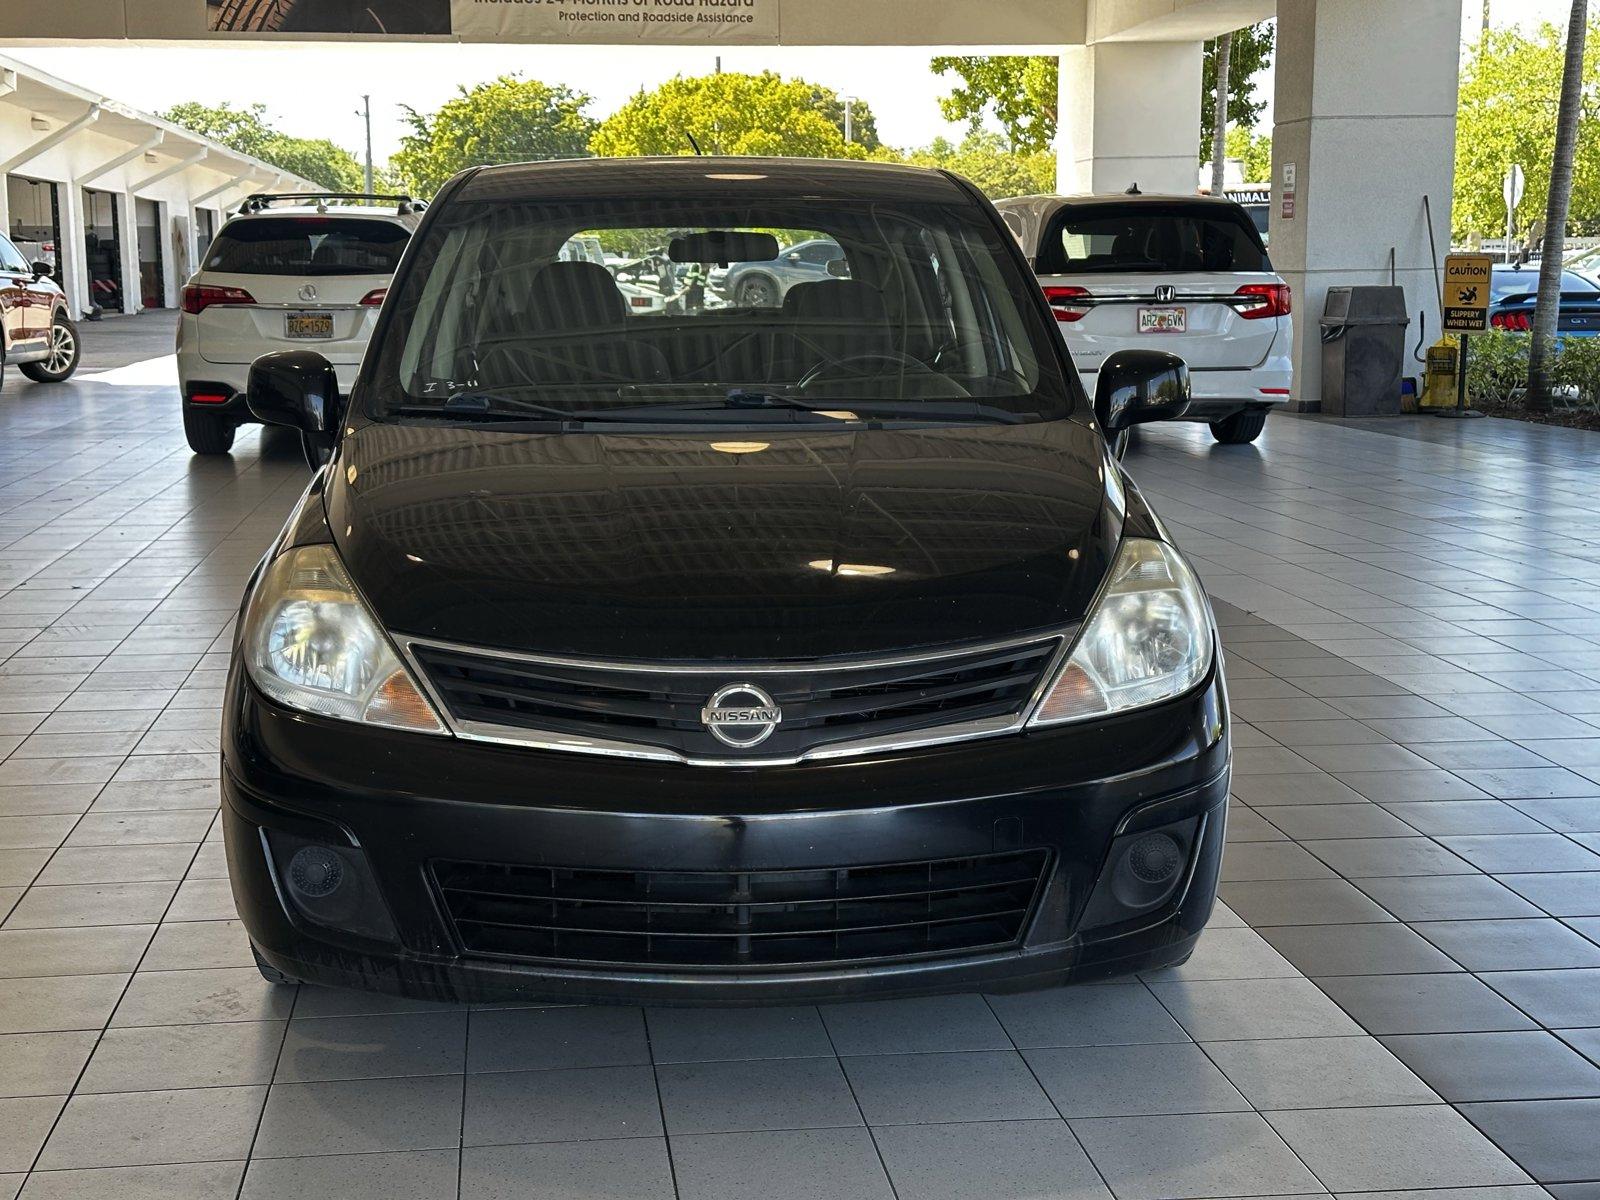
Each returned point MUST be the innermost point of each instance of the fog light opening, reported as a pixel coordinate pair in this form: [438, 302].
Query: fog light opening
[315, 872]
[1148, 870]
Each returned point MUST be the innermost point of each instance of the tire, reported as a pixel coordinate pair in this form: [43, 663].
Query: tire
[252, 16]
[1239, 429]
[758, 291]
[208, 433]
[66, 348]
[271, 973]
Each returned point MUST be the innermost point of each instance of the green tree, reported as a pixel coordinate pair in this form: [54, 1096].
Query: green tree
[248, 131]
[1254, 150]
[1249, 54]
[1569, 121]
[505, 120]
[318, 160]
[733, 113]
[986, 159]
[1510, 97]
[1021, 91]
[242, 129]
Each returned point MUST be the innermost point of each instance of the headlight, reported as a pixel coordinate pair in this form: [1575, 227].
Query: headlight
[310, 644]
[1147, 640]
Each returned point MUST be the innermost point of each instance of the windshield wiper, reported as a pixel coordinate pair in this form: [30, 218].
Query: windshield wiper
[485, 406]
[932, 410]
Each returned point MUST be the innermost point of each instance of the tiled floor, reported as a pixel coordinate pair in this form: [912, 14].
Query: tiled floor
[1402, 994]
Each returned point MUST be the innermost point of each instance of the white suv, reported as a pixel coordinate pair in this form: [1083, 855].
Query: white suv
[1186, 274]
[286, 272]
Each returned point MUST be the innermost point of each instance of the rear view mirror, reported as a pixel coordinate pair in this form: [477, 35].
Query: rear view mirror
[1136, 386]
[723, 246]
[298, 389]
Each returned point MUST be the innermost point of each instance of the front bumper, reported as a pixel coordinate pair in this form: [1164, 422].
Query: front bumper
[402, 803]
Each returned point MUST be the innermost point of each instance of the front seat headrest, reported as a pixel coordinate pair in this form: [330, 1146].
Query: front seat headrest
[576, 295]
[836, 300]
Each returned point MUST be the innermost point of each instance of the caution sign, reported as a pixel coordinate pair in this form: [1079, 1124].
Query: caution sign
[1466, 292]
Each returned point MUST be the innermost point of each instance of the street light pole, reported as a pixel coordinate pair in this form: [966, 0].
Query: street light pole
[366, 113]
[849, 120]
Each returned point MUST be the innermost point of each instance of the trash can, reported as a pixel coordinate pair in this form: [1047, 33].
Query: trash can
[1363, 351]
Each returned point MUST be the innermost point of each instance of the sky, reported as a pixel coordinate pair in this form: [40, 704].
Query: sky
[315, 90]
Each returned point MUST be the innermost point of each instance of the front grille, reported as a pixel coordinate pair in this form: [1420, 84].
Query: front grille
[738, 919]
[661, 708]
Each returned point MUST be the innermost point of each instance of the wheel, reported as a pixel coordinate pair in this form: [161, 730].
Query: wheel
[271, 973]
[1240, 428]
[208, 433]
[65, 350]
[758, 292]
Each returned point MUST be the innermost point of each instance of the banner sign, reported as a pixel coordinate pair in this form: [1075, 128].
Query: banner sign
[700, 21]
[735, 22]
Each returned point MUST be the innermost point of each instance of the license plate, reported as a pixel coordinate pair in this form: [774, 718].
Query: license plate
[1163, 320]
[308, 325]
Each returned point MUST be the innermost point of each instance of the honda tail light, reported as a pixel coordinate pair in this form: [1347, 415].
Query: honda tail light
[199, 297]
[1068, 303]
[374, 298]
[1269, 300]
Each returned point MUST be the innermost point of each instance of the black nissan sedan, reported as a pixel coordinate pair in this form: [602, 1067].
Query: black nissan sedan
[809, 650]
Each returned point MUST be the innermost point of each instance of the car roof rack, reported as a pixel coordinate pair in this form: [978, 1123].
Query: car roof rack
[262, 201]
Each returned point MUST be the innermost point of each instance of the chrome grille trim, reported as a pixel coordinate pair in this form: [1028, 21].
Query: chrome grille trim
[507, 735]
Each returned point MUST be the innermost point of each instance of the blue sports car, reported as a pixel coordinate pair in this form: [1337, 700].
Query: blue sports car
[1514, 290]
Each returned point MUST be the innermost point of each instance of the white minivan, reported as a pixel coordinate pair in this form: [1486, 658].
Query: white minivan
[1185, 274]
[293, 272]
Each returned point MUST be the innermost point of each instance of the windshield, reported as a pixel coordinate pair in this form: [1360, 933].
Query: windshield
[1149, 236]
[612, 309]
[1515, 281]
[307, 246]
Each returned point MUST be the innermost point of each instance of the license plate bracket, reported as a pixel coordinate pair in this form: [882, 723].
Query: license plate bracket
[1163, 320]
[308, 325]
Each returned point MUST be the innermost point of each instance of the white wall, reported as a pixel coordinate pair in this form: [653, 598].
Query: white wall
[1130, 112]
[1365, 110]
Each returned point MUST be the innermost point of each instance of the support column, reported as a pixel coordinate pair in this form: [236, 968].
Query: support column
[1130, 113]
[74, 262]
[128, 218]
[1365, 114]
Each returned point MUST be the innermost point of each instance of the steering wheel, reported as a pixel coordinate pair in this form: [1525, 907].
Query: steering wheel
[839, 365]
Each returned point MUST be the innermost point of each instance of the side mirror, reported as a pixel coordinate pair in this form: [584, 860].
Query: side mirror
[1136, 386]
[42, 269]
[298, 389]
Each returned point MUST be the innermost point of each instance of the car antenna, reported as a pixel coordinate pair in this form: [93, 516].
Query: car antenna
[1133, 190]
[698, 152]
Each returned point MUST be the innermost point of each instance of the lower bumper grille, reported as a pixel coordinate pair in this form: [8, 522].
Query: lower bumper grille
[734, 919]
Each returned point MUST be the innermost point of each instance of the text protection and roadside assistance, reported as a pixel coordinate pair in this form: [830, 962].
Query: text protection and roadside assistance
[1466, 292]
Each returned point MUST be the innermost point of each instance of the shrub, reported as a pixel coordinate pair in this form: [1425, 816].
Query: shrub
[1577, 366]
[1497, 365]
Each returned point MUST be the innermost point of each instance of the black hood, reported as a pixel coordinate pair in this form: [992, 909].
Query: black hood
[711, 544]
